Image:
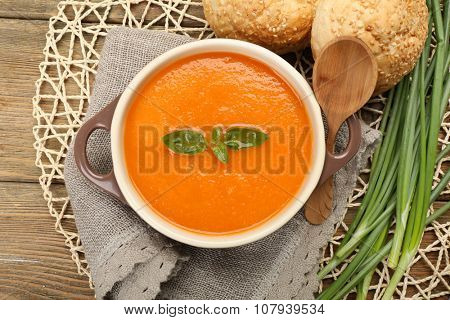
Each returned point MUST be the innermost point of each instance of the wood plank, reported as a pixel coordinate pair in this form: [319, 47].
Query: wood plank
[34, 261]
[17, 155]
[28, 9]
[45, 9]
[20, 53]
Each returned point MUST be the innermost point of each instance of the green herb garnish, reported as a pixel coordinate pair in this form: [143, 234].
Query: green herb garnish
[185, 141]
[218, 147]
[244, 137]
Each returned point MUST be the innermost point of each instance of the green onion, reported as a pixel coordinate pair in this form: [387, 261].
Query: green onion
[347, 283]
[363, 287]
[416, 225]
[407, 152]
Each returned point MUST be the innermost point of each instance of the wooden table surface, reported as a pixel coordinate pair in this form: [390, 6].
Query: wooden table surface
[34, 261]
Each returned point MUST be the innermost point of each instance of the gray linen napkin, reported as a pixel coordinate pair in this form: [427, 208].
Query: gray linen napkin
[129, 260]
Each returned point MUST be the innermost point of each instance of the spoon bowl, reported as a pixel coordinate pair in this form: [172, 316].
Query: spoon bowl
[344, 78]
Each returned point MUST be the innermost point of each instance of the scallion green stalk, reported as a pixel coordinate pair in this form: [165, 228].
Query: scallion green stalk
[416, 224]
[363, 287]
[372, 261]
[406, 154]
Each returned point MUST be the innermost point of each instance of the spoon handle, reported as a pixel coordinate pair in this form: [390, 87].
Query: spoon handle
[319, 205]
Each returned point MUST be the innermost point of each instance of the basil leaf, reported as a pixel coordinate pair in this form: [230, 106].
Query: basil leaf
[220, 151]
[185, 141]
[244, 137]
[218, 147]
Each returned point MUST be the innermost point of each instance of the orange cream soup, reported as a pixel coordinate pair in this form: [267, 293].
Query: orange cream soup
[197, 192]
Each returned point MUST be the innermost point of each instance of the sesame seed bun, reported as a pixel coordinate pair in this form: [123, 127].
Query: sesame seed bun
[395, 31]
[279, 25]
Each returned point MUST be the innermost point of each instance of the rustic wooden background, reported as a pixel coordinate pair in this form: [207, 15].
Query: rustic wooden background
[34, 262]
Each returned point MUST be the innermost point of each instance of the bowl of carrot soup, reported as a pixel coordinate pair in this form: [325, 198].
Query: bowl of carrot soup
[216, 143]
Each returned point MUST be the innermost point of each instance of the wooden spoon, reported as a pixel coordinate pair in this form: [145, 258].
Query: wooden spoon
[344, 78]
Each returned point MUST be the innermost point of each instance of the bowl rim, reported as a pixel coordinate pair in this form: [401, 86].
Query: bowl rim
[276, 63]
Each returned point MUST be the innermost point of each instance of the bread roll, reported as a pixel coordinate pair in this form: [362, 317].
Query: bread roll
[279, 25]
[395, 31]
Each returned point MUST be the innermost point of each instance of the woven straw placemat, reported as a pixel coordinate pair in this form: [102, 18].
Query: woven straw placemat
[71, 54]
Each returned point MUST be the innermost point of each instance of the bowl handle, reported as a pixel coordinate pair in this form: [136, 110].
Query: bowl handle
[101, 120]
[333, 163]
